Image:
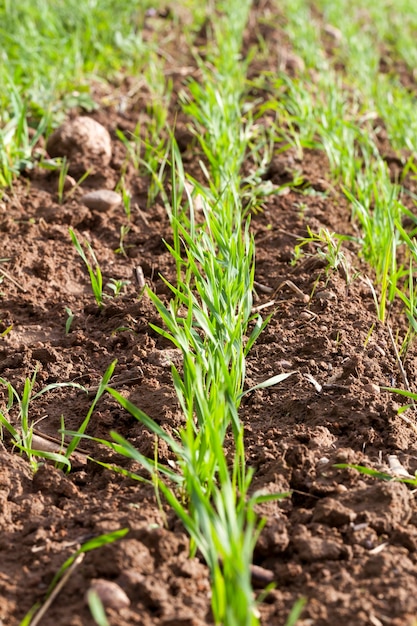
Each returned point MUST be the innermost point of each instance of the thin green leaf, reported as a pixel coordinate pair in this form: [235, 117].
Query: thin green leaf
[401, 392]
[91, 544]
[274, 380]
[96, 607]
[296, 612]
[146, 420]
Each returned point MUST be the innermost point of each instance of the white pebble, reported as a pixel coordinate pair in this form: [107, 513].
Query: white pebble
[111, 595]
[102, 200]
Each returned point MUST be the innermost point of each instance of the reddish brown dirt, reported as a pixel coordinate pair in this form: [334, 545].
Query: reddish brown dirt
[346, 543]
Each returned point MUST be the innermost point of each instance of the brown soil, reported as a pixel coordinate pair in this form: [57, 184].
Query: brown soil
[345, 542]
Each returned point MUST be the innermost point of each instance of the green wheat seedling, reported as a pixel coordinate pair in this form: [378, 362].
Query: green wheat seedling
[384, 476]
[69, 320]
[328, 248]
[147, 147]
[123, 233]
[407, 291]
[78, 435]
[21, 427]
[95, 274]
[209, 317]
[215, 282]
[132, 144]
[63, 172]
[336, 112]
[16, 146]
[93, 40]
[8, 329]
[405, 393]
[117, 286]
[360, 53]
[97, 610]
[209, 489]
[156, 165]
[149, 155]
[126, 201]
[214, 254]
[37, 612]
[219, 514]
[259, 152]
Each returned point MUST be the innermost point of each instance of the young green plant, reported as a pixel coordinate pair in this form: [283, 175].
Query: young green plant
[208, 319]
[94, 272]
[37, 613]
[21, 428]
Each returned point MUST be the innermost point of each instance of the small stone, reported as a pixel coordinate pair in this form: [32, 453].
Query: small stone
[261, 576]
[334, 32]
[102, 200]
[69, 183]
[111, 595]
[372, 388]
[84, 142]
[379, 349]
[285, 365]
[326, 298]
[293, 62]
[165, 358]
[324, 460]
[341, 488]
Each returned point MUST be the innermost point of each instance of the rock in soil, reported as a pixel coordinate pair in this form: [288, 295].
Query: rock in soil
[84, 142]
[102, 200]
[111, 595]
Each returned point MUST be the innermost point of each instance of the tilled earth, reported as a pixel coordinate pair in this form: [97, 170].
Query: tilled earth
[345, 542]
